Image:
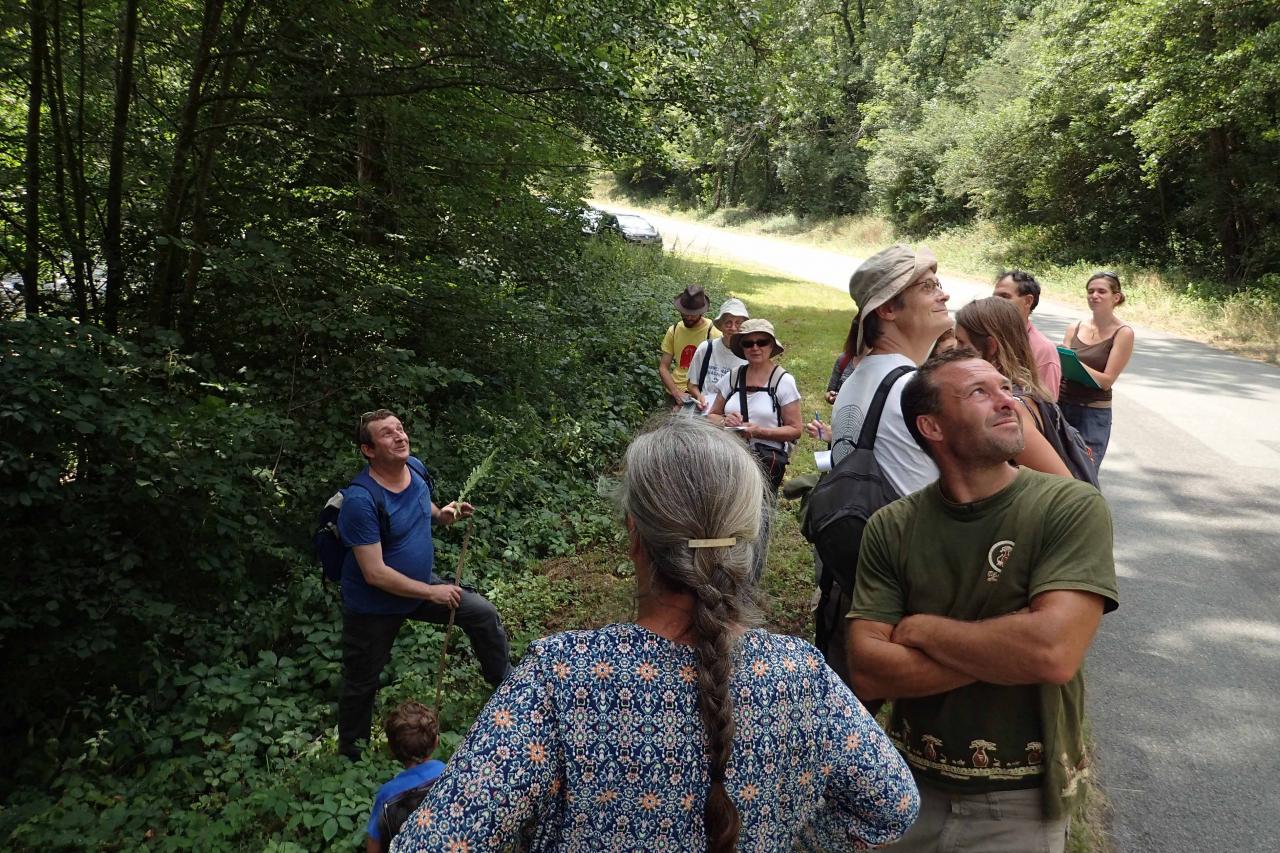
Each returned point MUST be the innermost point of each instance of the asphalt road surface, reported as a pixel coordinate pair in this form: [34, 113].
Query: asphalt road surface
[1184, 679]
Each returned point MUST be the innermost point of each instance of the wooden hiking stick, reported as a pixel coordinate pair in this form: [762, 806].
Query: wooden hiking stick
[453, 611]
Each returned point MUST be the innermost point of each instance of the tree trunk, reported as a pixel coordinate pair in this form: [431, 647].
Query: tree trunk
[31, 258]
[168, 262]
[111, 237]
[1229, 237]
[204, 177]
[81, 192]
[372, 173]
[63, 155]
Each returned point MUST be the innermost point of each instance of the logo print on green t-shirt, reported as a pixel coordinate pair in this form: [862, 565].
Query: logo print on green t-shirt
[997, 558]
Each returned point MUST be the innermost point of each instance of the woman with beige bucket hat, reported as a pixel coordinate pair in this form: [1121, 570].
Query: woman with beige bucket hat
[760, 400]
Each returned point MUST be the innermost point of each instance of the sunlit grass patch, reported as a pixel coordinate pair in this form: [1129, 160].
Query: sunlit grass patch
[811, 321]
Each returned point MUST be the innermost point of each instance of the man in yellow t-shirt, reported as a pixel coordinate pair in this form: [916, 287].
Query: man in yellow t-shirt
[681, 341]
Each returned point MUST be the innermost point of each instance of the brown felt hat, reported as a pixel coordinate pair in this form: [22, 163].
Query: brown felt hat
[692, 300]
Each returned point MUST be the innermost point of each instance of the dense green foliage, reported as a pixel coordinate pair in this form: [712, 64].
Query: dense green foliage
[1135, 130]
[227, 228]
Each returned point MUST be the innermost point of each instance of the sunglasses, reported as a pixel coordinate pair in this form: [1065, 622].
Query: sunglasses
[757, 342]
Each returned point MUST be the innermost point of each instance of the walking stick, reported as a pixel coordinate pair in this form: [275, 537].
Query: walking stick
[453, 611]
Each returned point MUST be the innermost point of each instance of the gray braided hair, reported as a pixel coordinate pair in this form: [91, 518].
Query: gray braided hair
[687, 480]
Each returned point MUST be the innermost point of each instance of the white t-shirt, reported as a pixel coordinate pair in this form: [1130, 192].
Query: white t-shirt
[722, 362]
[759, 405]
[908, 467]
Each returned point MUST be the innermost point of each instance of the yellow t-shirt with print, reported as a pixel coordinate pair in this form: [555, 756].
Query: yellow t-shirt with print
[680, 342]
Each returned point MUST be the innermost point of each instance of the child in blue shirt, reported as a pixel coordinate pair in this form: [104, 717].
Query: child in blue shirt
[412, 732]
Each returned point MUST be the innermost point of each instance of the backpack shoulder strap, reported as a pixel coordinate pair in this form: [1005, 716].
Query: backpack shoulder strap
[420, 468]
[742, 392]
[871, 423]
[1032, 405]
[772, 385]
[378, 496]
[702, 369]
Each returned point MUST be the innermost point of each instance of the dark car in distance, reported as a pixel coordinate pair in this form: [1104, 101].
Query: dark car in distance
[637, 229]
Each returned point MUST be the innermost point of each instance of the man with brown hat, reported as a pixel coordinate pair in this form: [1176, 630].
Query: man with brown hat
[681, 342]
[902, 309]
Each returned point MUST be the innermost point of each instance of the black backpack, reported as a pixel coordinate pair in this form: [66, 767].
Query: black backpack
[837, 512]
[396, 810]
[737, 384]
[328, 546]
[1065, 439]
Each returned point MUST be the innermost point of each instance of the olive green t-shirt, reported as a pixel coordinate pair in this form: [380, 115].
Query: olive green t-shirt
[925, 554]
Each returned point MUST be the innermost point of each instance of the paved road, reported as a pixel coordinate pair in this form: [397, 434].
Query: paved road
[1184, 678]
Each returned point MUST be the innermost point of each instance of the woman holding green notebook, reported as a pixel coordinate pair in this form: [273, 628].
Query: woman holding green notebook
[1104, 345]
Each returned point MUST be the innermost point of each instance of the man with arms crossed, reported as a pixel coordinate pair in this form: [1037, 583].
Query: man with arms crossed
[975, 603]
[387, 577]
[1021, 288]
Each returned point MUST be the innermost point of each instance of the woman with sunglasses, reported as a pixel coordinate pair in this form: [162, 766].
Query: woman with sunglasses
[760, 400]
[1104, 345]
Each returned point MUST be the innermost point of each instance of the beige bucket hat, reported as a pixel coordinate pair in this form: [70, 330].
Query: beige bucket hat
[748, 328]
[884, 275]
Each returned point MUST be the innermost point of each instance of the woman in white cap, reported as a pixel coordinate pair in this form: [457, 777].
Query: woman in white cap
[713, 358]
[760, 399]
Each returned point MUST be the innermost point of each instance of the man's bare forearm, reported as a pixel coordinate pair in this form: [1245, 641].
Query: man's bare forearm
[1021, 648]
[882, 669]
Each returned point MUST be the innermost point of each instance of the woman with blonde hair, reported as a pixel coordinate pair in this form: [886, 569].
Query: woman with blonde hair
[687, 729]
[994, 328]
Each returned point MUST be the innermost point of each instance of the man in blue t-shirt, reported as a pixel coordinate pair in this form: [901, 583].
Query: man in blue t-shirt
[387, 578]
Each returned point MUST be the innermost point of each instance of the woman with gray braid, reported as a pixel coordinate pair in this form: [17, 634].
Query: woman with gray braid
[688, 729]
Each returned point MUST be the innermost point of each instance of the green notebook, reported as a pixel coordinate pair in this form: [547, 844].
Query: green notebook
[1072, 368]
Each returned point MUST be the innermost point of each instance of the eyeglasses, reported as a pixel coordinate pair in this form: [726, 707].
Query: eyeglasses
[929, 286]
[757, 342]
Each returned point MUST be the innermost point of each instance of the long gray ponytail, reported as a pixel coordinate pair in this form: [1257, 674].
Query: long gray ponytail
[687, 480]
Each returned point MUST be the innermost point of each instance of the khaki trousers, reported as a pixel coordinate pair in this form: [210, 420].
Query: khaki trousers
[998, 822]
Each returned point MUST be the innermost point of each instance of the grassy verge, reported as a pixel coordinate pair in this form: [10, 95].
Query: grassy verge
[596, 588]
[1246, 323]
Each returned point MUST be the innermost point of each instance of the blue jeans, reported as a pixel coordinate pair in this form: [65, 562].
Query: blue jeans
[1094, 426]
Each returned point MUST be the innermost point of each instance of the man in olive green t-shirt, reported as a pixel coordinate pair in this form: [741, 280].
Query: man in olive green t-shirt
[975, 602]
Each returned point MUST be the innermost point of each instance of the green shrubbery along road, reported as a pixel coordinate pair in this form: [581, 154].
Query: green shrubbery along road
[177, 654]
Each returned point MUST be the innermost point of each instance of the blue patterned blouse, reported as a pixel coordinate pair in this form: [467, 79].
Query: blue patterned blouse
[595, 743]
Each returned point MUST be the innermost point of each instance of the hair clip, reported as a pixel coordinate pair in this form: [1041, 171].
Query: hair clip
[713, 543]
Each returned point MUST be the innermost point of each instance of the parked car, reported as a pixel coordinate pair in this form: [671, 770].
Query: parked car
[637, 229]
[596, 221]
